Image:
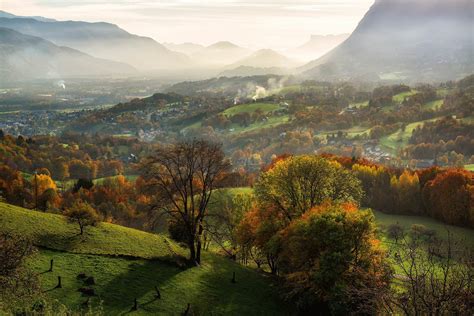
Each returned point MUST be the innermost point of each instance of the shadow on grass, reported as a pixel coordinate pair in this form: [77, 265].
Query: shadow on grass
[250, 294]
[138, 282]
[58, 241]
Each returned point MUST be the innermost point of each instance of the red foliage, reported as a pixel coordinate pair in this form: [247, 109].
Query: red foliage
[450, 197]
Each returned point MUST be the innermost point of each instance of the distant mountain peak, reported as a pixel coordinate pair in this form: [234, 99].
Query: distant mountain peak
[223, 45]
[264, 58]
[423, 40]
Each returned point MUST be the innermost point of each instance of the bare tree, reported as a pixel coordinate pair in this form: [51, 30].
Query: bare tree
[182, 178]
[18, 284]
[435, 279]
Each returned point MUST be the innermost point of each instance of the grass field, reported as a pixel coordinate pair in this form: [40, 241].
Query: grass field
[119, 281]
[398, 98]
[469, 167]
[400, 138]
[52, 231]
[465, 235]
[120, 261]
[433, 105]
[359, 105]
[271, 122]
[250, 108]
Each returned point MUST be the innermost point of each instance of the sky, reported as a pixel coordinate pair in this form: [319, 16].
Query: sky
[277, 24]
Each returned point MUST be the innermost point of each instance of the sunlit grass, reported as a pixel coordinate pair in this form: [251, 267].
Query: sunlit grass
[127, 264]
[250, 108]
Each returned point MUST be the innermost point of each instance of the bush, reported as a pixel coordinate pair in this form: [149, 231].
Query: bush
[418, 231]
[395, 231]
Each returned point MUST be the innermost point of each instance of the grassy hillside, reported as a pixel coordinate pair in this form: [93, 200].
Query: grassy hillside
[433, 105]
[400, 138]
[52, 231]
[250, 108]
[119, 281]
[122, 262]
[465, 235]
[398, 98]
[272, 121]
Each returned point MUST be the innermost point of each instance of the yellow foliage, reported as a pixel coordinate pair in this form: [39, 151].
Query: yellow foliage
[43, 183]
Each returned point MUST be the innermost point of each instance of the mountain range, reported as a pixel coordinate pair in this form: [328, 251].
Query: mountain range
[103, 40]
[29, 57]
[397, 40]
[422, 40]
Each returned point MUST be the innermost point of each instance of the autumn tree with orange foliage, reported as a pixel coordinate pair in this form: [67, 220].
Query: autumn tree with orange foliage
[308, 228]
[12, 186]
[449, 197]
[406, 193]
[332, 259]
[45, 191]
[257, 235]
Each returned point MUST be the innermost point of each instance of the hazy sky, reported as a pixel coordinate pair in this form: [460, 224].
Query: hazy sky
[256, 24]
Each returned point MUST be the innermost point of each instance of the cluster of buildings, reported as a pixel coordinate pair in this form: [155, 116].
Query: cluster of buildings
[29, 123]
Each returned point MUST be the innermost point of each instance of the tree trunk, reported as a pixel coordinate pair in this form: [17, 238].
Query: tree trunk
[192, 251]
[198, 243]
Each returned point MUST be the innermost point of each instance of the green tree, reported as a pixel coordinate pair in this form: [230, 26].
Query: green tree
[296, 184]
[226, 211]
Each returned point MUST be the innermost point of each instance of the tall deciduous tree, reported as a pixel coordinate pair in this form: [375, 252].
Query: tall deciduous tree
[450, 197]
[330, 255]
[182, 178]
[296, 184]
